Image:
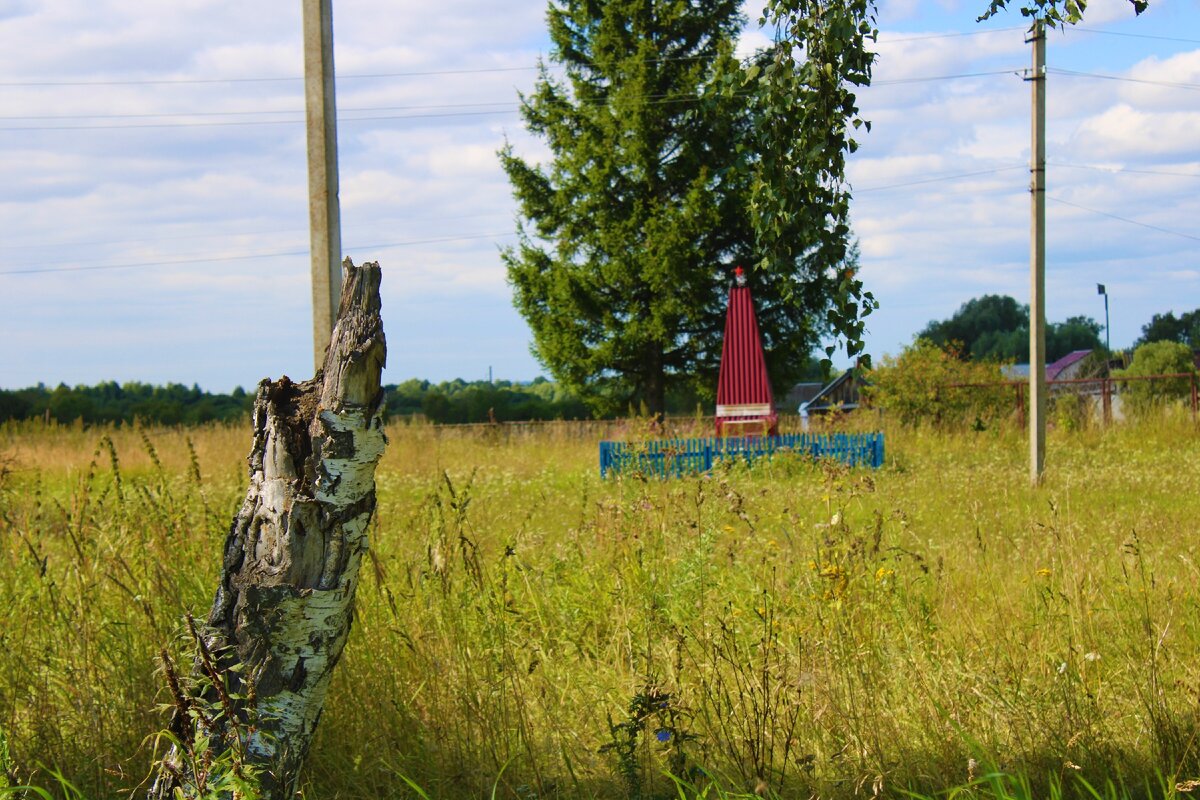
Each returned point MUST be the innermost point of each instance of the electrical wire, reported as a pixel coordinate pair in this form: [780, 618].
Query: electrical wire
[417, 73]
[424, 220]
[1077, 74]
[279, 79]
[1125, 169]
[248, 257]
[652, 99]
[1011, 71]
[139, 264]
[941, 178]
[1138, 35]
[246, 123]
[953, 35]
[300, 78]
[1124, 219]
[514, 108]
[250, 112]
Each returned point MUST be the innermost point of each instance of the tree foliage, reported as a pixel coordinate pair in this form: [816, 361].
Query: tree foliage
[1168, 328]
[653, 193]
[928, 384]
[1157, 358]
[806, 118]
[1054, 13]
[996, 327]
[981, 326]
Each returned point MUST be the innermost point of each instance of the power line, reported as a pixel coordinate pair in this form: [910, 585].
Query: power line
[230, 234]
[1124, 169]
[1014, 71]
[277, 79]
[953, 35]
[1077, 74]
[245, 123]
[657, 99]
[298, 78]
[389, 245]
[252, 112]
[414, 73]
[511, 105]
[248, 257]
[1125, 219]
[1138, 35]
[98, 243]
[138, 264]
[941, 178]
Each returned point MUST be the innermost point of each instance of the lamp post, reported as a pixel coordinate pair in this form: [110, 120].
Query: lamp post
[1107, 336]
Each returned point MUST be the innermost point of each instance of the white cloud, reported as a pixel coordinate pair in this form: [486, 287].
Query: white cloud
[1124, 131]
[1100, 12]
[139, 194]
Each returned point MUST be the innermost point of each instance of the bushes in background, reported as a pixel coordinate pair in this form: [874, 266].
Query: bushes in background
[930, 384]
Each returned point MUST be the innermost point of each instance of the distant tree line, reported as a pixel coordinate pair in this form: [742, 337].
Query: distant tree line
[455, 401]
[448, 402]
[1184, 329]
[173, 404]
[996, 328]
[458, 401]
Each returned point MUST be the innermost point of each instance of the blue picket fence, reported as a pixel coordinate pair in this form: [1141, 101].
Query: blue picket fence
[675, 457]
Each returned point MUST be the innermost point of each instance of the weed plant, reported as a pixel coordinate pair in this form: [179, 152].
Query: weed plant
[934, 628]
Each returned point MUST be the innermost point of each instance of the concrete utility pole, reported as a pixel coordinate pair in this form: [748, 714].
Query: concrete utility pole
[324, 214]
[1037, 283]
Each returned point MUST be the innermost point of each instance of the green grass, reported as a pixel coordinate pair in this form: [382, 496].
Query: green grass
[526, 630]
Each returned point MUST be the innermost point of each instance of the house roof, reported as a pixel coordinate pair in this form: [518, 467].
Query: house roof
[802, 393]
[1015, 371]
[1055, 370]
[842, 391]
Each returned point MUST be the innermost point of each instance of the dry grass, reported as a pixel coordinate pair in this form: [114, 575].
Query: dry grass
[528, 630]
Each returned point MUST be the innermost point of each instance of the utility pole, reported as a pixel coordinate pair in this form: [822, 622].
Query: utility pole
[1037, 266]
[324, 214]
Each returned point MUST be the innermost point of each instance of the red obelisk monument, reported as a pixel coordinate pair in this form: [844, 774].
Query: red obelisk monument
[744, 402]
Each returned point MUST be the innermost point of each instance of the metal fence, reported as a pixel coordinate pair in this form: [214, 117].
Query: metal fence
[1101, 397]
[676, 457]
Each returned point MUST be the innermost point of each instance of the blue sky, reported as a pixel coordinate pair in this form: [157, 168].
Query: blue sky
[154, 188]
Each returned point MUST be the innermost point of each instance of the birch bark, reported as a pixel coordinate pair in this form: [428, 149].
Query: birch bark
[285, 600]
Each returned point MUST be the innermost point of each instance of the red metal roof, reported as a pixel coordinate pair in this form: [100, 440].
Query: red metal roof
[743, 388]
[1053, 371]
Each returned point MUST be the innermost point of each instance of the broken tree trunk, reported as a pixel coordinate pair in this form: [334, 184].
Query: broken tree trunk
[285, 601]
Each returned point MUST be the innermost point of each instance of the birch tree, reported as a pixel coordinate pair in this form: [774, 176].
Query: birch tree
[285, 599]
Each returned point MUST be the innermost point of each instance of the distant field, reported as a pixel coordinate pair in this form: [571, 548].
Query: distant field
[528, 630]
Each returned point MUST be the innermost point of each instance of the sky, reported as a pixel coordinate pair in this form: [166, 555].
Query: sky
[153, 181]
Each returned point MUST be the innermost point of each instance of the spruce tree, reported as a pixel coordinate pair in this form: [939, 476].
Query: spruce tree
[630, 231]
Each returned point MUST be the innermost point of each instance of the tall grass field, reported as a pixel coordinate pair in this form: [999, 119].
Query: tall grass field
[526, 630]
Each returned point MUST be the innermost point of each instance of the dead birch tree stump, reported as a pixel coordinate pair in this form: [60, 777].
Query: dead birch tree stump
[285, 601]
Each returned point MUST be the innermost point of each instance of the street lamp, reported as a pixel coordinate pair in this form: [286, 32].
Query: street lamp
[1107, 337]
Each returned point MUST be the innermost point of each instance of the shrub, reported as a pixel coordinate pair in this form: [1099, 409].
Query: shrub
[1157, 358]
[930, 384]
